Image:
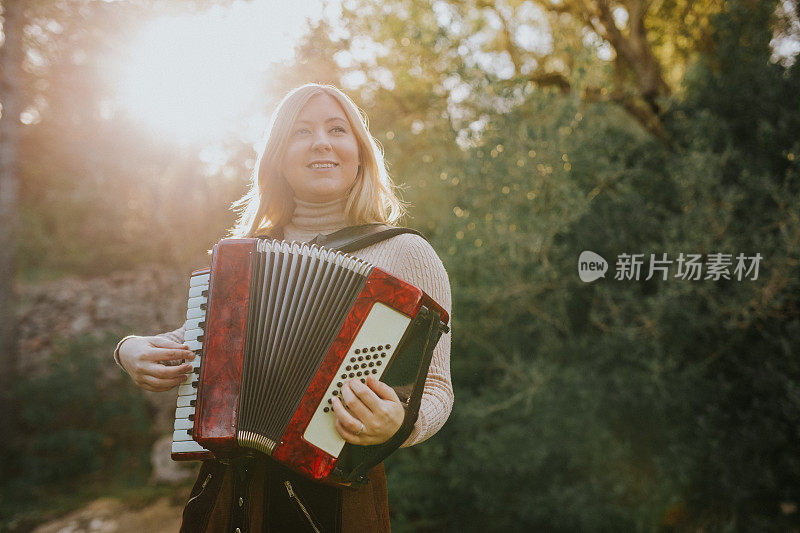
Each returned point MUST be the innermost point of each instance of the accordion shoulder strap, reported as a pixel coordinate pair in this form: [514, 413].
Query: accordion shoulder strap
[355, 238]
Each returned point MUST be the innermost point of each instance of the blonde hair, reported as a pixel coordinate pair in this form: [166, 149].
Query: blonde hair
[268, 206]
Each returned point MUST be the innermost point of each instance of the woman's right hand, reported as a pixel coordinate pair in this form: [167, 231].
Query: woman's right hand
[144, 357]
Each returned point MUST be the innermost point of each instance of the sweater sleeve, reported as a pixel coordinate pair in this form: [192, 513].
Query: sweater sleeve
[175, 335]
[420, 266]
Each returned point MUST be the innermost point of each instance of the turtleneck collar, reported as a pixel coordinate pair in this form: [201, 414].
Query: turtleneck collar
[309, 219]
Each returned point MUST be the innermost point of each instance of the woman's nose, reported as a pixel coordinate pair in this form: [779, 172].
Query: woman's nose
[321, 142]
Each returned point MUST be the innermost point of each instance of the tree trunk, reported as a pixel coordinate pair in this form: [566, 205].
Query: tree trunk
[11, 99]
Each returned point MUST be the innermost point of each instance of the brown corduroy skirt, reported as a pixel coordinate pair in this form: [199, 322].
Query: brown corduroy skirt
[259, 495]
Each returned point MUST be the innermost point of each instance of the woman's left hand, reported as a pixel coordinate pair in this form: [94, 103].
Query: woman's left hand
[373, 415]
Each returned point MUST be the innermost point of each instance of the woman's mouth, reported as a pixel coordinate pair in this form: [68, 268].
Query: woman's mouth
[322, 165]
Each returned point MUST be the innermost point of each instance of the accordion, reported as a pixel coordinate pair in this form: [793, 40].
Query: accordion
[278, 328]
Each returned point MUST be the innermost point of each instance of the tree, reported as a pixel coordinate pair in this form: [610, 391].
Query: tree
[11, 98]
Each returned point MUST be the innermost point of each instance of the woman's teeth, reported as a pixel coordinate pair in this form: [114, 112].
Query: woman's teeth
[323, 165]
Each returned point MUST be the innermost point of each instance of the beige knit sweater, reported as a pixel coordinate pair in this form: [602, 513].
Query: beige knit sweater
[410, 258]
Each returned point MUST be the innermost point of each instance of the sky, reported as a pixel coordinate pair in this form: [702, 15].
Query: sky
[197, 77]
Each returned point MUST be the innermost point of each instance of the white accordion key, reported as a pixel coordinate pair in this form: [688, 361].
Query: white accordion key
[187, 390]
[195, 323]
[181, 435]
[196, 302]
[192, 334]
[184, 412]
[199, 280]
[187, 446]
[197, 290]
[368, 356]
[183, 423]
[194, 345]
[195, 312]
[185, 401]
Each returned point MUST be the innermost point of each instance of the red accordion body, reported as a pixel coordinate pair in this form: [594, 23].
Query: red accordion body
[384, 320]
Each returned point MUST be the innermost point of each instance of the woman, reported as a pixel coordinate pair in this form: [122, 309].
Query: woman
[320, 171]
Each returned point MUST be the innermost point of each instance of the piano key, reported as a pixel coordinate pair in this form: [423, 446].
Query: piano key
[194, 323]
[184, 423]
[194, 345]
[197, 301]
[192, 334]
[186, 401]
[197, 290]
[195, 312]
[199, 280]
[186, 390]
[191, 378]
[184, 412]
[181, 435]
[187, 446]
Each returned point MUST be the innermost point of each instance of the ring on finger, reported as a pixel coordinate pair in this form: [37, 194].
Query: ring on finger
[361, 430]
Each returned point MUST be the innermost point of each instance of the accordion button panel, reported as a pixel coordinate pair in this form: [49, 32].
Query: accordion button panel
[383, 327]
[182, 441]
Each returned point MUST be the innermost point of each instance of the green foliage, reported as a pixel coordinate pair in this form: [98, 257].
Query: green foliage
[78, 422]
[620, 405]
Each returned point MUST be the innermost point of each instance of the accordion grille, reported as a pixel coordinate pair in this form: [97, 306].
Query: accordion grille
[300, 296]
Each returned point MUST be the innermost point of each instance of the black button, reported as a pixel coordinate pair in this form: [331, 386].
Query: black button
[383, 354]
[327, 409]
[388, 346]
[358, 373]
[372, 349]
[360, 357]
[371, 363]
[330, 401]
[336, 393]
[347, 367]
[380, 347]
[358, 351]
[368, 357]
[374, 370]
[344, 376]
[363, 380]
[378, 363]
[339, 384]
[352, 359]
[352, 375]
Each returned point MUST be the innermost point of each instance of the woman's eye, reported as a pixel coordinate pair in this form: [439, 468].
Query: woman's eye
[339, 129]
[302, 131]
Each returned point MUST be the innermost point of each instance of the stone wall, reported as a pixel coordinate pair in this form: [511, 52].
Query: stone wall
[145, 301]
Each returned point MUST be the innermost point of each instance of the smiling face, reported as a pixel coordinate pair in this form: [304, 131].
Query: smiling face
[321, 160]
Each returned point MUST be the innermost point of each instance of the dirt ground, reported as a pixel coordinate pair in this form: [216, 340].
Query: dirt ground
[109, 515]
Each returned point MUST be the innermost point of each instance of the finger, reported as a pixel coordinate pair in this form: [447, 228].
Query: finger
[161, 342]
[154, 384]
[365, 395]
[348, 436]
[167, 372]
[344, 419]
[163, 354]
[384, 391]
[354, 402]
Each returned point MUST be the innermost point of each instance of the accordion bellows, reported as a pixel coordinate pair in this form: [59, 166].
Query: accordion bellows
[279, 328]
